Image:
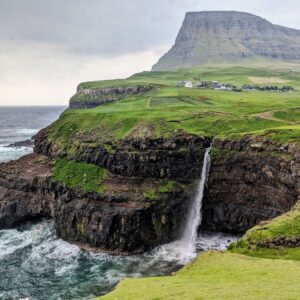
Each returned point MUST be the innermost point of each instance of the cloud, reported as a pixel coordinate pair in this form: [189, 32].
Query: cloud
[48, 75]
[48, 47]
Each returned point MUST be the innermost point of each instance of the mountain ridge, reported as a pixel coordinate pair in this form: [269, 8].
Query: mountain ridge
[229, 36]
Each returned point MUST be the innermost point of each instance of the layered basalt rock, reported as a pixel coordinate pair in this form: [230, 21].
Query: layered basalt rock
[121, 225]
[25, 191]
[89, 98]
[251, 180]
[177, 157]
[125, 219]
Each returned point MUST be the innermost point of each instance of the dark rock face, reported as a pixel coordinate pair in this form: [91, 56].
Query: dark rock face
[122, 221]
[89, 98]
[228, 36]
[280, 241]
[121, 226]
[248, 185]
[251, 180]
[178, 157]
[26, 143]
[24, 197]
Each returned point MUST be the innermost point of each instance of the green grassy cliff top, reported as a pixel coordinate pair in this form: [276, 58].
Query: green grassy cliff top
[169, 109]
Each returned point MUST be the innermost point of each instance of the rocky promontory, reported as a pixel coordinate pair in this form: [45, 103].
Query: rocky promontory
[140, 207]
[132, 215]
[92, 97]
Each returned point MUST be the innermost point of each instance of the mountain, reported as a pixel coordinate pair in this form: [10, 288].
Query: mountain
[229, 36]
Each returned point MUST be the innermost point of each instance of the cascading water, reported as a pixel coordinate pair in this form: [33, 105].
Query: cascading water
[195, 215]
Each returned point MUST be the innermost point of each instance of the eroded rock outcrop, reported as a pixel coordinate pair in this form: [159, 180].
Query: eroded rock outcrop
[92, 97]
[251, 179]
[133, 215]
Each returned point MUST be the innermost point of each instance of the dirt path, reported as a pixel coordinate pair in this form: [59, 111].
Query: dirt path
[268, 115]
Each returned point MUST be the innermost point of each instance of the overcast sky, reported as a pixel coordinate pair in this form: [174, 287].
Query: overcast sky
[47, 47]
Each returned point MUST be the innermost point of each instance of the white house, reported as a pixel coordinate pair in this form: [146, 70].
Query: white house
[188, 84]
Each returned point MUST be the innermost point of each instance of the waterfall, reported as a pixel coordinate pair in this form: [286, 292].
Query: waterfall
[195, 215]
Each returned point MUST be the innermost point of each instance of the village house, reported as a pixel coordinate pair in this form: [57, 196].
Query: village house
[185, 83]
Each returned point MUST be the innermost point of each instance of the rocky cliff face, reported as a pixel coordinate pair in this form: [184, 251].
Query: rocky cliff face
[124, 220]
[89, 98]
[251, 180]
[227, 36]
[177, 157]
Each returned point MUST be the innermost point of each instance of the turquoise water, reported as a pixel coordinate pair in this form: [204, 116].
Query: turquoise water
[34, 264]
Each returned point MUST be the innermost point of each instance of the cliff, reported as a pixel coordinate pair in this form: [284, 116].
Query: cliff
[130, 215]
[251, 179]
[134, 213]
[88, 98]
[119, 177]
[229, 36]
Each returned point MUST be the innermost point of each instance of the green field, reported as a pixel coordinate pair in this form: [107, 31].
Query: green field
[218, 276]
[169, 109]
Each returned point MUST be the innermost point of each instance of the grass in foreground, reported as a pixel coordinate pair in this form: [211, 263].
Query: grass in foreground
[218, 275]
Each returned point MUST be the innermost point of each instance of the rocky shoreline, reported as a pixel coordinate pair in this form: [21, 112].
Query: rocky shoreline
[246, 186]
[121, 221]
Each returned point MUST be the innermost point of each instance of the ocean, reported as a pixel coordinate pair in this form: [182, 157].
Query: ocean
[36, 265]
[20, 124]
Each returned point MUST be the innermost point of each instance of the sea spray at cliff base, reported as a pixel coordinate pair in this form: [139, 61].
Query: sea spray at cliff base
[34, 261]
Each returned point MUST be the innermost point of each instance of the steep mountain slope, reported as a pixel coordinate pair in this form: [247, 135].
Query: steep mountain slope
[228, 36]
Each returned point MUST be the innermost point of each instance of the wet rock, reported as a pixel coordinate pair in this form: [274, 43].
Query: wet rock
[248, 185]
[26, 143]
[121, 223]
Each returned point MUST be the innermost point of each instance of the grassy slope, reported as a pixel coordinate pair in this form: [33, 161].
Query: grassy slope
[244, 272]
[218, 275]
[169, 109]
[88, 177]
[287, 225]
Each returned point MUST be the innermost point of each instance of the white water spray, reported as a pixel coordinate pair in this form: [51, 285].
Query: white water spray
[195, 214]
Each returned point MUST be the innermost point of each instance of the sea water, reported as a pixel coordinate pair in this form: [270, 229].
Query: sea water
[36, 265]
[20, 124]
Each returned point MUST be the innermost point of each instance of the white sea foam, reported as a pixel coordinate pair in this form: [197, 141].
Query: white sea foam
[41, 260]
